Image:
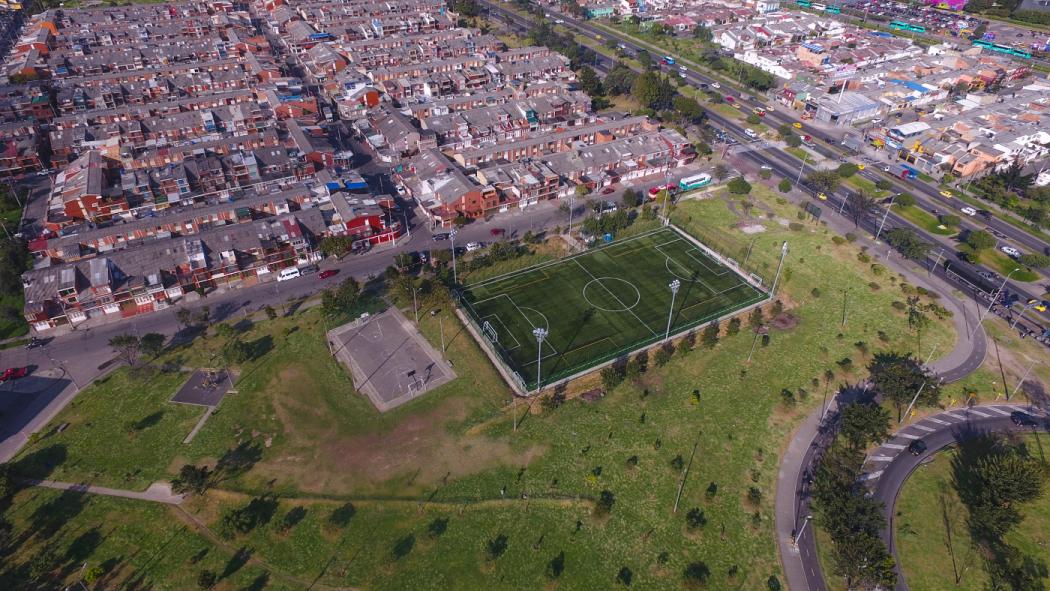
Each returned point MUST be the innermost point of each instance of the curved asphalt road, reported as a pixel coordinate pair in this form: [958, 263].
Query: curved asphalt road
[890, 465]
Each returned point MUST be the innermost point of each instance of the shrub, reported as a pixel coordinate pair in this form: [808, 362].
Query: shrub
[625, 576]
[662, 356]
[604, 505]
[677, 463]
[864, 258]
[342, 515]
[739, 186]
[733, 327]
[787, 397]
[851, 237]
[754, 495]
[899, 306]
[845, 364]
[695, 519]
[815, 292]
[495, 547]
[847, 169]
[696, 573]
[795, 227]
[784, 185]
[874, 286]
[765, 173]
[838, 240]
[712, 490]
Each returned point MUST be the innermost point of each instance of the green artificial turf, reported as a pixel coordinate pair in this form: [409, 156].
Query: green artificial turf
[603, 303]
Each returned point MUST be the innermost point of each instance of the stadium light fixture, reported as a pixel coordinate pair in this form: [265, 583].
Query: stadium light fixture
[540, 334]
[675, 286]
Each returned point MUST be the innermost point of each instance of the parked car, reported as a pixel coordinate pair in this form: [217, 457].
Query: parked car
[969, 210]
[917, 447]
[750, 133]
[716, 85]
[497, 232]
[1013, 252]
[13, 373]
[472, 246]
[441, 236]
[608, 191]
[327, 273]
[35, 342]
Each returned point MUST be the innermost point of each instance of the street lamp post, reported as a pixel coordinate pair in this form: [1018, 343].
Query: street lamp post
[452, 237]
[800, 168]
[674, 285]
[1026, 307]
[415, 306]
[805, 522]
[540, 334]
[780, 266]
[884, 216]
[995, 297]
[572, 205]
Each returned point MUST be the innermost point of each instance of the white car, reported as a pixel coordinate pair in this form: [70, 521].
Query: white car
[750, 133]
[716, 85]
[682, 75]
[472, 246]
[683, 68]
[969, 211]
[1013, 252]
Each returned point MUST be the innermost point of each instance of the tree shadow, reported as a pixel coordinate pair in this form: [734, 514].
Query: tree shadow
[238, 460]
[260, 347]
[148, 421]
[41, 463]
[237, 561]
[50, 517]
[258, 583]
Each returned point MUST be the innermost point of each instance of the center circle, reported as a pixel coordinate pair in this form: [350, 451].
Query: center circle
[611, 294]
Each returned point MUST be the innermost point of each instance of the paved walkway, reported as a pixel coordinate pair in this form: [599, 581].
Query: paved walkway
[801, 567]
[158, 492]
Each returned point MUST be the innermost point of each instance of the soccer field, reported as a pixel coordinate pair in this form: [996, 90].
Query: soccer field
[603, 303]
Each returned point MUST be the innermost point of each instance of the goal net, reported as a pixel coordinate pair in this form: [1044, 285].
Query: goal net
[490, 332]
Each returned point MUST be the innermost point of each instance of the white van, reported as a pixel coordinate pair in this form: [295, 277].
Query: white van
[750, 133]
[969, 211]
[289, 274]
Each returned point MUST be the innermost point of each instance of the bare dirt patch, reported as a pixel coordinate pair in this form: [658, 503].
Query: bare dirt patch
[785, 321]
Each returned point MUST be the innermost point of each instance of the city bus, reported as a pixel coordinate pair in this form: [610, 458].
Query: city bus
[1002, 49]
[669, 60]
[903, 26]
[694, 182]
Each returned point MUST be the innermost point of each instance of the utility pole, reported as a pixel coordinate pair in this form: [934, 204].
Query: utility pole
[415, 306]
[452, 237]
[980, 319]
[795, 538]
[800, 168]
[1023, 378]
[916, 397]
[780, 266]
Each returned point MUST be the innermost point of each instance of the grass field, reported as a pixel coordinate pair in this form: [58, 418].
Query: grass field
[929, 510]
[924, 220]
[604, 303]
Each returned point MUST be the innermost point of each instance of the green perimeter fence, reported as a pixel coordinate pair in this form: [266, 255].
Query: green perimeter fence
[510, 367]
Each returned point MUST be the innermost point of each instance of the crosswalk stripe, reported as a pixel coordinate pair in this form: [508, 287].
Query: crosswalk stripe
[979, 413]
[881, 458]
[909, 436]
[938, 421]
[924, 428]
[998, 410]
[871, 476]
[893, 445]
[955, 416]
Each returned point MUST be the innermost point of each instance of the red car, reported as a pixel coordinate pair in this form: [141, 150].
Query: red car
[13, 373]
[327, 274]
[608, 190]
[497, 232]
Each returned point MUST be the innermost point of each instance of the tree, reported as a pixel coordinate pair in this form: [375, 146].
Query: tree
[864, 424]
[625, 576]
[980, 240]
[7, 485]
[589, 81]
[152, 344]
[721, 171]
[695, 519]
[859, 205]
[904, 200]
[753, 119]
[605, 502]
[1037, 261]
[631, 199]
[710, 335]
[756, 319]
[739, 186]
[899, 378]
[847, 169]
[127, 347]
[883, 185]
[206, 579]
[733, 327]
[495, 547]
[192, 480]
[619, 80]
[907, 242]
[784, 185]
[1014, 179]
[696, 573]
[556, 566]
[270, 312]
[792, 140]
[341, 516]
[688, 109]
[646, 89]
[184, 316]
[644, 59]
[237, 351]
[996, 484]
[824, 181]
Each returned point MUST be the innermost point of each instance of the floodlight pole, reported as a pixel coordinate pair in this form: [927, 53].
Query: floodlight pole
[452, 237]
[1026, 307]
[780, 266]
[916, 397]
[1023, 378]
[572, 204]
[441, 327]
[540, 334]
[674, 285]
[884, 216]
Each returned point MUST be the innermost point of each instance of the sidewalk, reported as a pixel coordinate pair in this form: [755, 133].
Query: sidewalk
[158, 492]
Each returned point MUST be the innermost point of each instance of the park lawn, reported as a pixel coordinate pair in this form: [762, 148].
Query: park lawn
[728, 111]
[122, 433]
[866, 185]
[1003, 264]
[928, 508]
[13, 328]
[924, 220]
[799, 153]
[137, 544]
[456, 450]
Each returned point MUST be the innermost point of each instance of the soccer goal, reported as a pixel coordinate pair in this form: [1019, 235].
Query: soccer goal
[490, 332]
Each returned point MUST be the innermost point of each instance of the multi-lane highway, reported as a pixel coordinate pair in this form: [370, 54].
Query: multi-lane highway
[788, 166]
